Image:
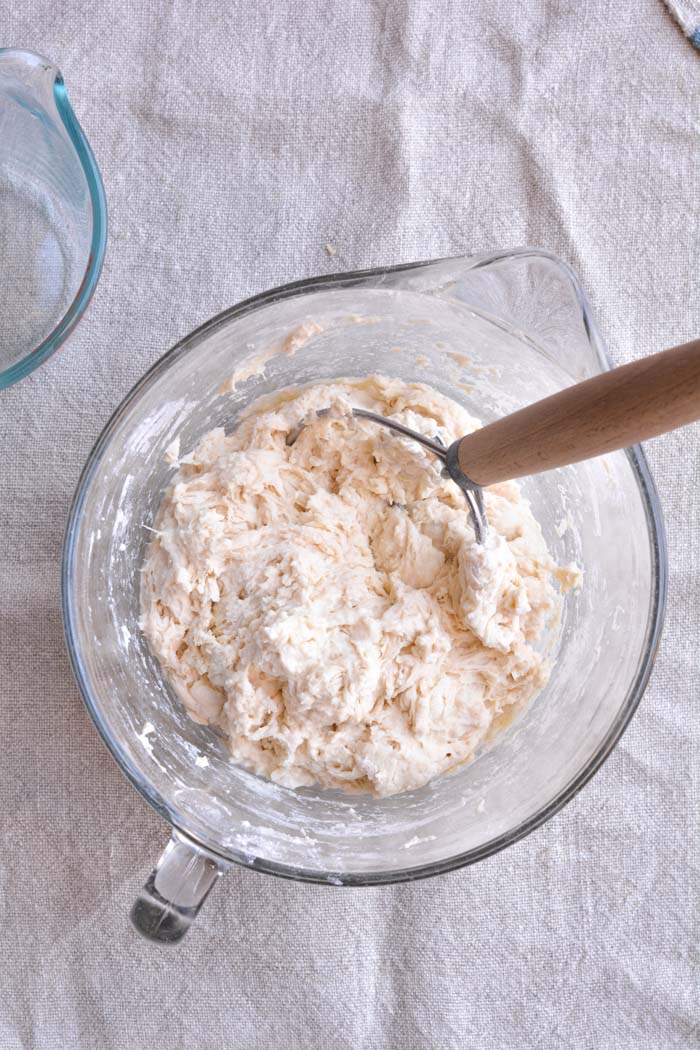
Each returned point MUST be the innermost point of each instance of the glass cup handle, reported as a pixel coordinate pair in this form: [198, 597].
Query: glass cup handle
[175, 890]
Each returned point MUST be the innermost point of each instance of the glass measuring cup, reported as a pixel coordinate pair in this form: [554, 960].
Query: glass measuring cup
[53, 218]
[493, 332]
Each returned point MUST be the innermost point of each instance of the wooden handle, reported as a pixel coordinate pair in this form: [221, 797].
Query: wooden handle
[610, 411]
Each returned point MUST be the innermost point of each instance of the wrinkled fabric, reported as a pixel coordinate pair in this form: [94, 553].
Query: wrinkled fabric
[244, 145]
[687, 14]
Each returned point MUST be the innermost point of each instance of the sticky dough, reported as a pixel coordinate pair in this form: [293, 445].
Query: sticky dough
[325, 604]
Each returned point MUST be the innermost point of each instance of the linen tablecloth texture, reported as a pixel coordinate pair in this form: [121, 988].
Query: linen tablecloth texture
[237, 140]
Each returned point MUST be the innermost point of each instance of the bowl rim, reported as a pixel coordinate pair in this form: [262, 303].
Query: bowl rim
[98, 241]
[658, 551]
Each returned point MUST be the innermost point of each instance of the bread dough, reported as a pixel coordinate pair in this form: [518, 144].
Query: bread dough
[326, 604]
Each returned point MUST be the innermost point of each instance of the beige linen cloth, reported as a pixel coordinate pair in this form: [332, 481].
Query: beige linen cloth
[236, 141]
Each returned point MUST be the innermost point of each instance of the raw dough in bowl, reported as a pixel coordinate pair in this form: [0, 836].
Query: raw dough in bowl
[326, 605]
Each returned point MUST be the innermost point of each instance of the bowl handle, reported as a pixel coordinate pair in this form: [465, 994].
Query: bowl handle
[175, 890]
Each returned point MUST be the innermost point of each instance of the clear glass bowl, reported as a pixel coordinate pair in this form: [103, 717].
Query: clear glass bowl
[53, 219]
[494, 333]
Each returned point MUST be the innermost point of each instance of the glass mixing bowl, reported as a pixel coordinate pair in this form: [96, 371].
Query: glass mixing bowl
[494, 333]
[53, 219]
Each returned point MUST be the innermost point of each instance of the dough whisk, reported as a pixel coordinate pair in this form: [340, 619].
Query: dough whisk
[610, 411]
